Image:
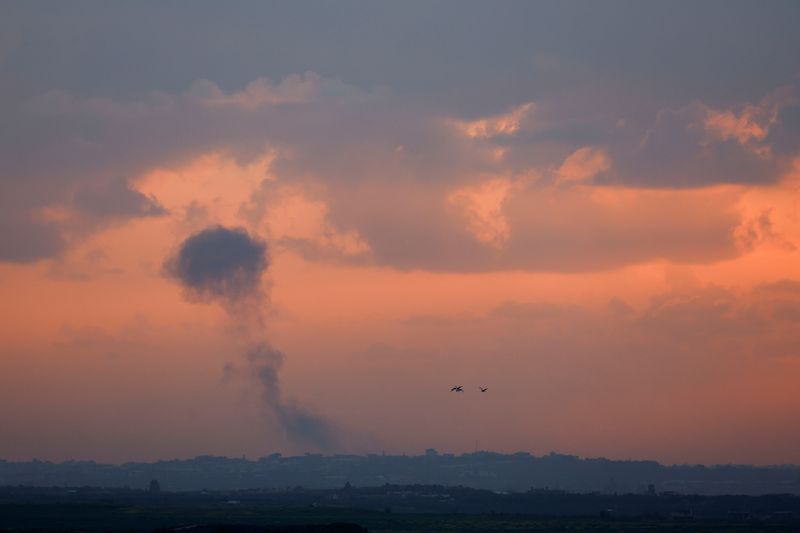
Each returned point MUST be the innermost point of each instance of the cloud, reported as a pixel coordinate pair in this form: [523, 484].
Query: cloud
[443, 63]
[523, 226]
[503, 124]
[335, 131]
[760, 320]
[482, 207]
[679, 151]
[528, 311]
[704, 312]
[595, 373]
[24, 238]
[760, 229]
[779, 300]
[461, 202]
[71, 145]
[697, 144]
[220, 264]
[782, 287]
[298, 217]
[784, 134]
[750, 125]
[115, 198]
[32, 233]
[583, 165]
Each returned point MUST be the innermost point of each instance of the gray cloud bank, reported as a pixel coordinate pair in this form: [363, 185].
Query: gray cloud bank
[380, 111]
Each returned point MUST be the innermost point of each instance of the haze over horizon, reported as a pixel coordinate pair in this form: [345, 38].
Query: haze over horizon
[382, 453]
[254, 227]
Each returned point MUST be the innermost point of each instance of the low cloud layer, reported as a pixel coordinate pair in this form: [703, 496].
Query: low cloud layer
[115, 198]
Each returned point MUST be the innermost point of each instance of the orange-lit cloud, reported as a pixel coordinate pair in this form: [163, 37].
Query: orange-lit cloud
[502, 124]
[483, 209]
[583, 164]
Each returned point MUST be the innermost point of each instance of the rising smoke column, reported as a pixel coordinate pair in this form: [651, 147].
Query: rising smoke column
[225, 266]
[299, 424]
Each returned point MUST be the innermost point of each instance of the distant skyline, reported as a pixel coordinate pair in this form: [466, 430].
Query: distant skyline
[485, 470]
[255, 227]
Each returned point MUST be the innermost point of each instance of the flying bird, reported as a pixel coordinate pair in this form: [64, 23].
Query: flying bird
[457, 388]
[483, 389]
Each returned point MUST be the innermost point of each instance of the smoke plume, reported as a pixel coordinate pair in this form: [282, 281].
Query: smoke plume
[226, 266]
[298, 423]
[221, 265]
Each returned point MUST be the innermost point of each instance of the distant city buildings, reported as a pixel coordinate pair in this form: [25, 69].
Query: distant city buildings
[483, 470]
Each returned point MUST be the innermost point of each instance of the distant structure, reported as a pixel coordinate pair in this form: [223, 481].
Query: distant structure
[484, 470]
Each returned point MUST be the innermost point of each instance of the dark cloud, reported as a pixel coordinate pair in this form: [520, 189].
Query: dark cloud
[71, 145]
[220, 264]
[115, 198]
[24, 239]
[784, 136]
[470, 55]
[379, 108]
[678, 152]
[27, 236]
[390, 167]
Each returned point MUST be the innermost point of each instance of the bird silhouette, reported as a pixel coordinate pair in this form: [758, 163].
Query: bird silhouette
[483, 389]
[457, 388]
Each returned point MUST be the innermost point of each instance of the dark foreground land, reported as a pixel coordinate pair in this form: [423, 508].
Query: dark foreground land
[386, 509]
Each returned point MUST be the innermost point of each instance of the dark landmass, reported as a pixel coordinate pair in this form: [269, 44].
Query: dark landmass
[482, 470]
[385, 508]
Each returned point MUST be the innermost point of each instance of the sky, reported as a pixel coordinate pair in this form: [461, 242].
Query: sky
[240, 228]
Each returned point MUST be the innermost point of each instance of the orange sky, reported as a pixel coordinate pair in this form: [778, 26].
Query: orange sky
[633, 293]
[105, 357]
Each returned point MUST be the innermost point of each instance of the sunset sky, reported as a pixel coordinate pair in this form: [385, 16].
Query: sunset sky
[239, 228]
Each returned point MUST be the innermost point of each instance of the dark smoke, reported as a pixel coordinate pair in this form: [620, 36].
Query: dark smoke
[299, 424]
[220, 264]
[226, 266]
